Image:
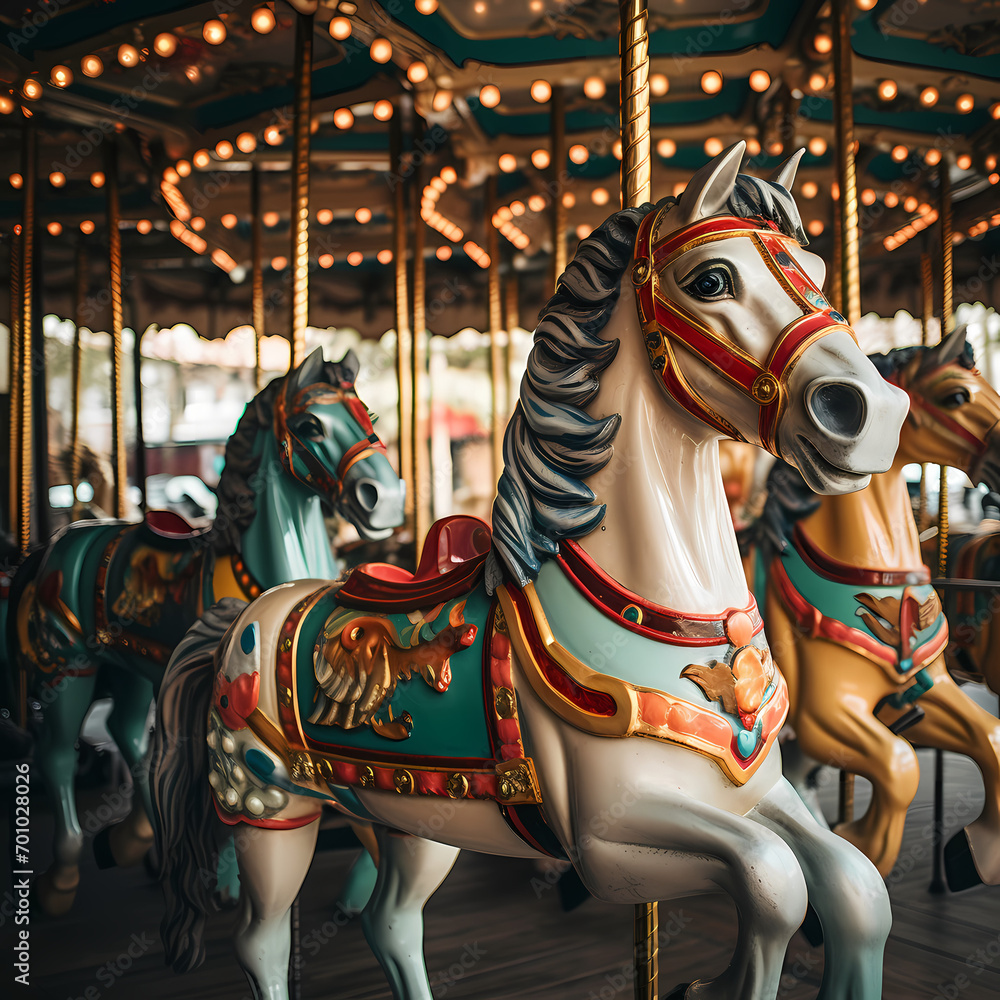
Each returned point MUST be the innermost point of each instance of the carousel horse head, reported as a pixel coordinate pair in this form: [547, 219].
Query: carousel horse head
[741, 335]
[325, 444]
[954, 416]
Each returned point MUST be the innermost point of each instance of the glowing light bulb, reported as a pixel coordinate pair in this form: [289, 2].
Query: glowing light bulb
[711, 82]
[583, 231]
[815, 227]
[326, 260]
[536, 203]
[753, 146]
[867, 197]
[16, 181]
[887, 90]
[279, 263]
[324, 216]
[224, 149]
[270, 219]
[760, 80]
[355, 257]
[658, 84]
[165, 44]
[541, 91]
[964, 161]
[810, 189]
[932, 157]
[417, 71]
[214, 32]
[579, 154]
[61, 76]
[713, 146]
[443, 253]
[91, 66]
[6, 104]
[929, 97]
[817, 82]
[54, 228]
[97, 179]
[229, 220]
[31, 89]
[899, 153]
[87, 227]
[427, 6]
[891, 199]
[666, 148]
[489, 96]
[341, 28]
[384, 256]
[569, 199]
[822, 43]
[817, 145]
[381, 50]
[910, 205]
[441, 100]
[57, 179]
[965, 103]
[600, 196]
[363, 215]
[202, 158]
[449, 175]
[540, 159]
[272, 135]
[594, 87]
[508, 163]
[197, 223]
[128, 55]
[246, 142]
[343, 118]
[262, 20]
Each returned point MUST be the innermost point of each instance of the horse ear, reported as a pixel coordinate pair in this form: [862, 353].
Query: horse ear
[348, 367]
[785, 174]
[945, 350]
[309, 372]
[709, 189]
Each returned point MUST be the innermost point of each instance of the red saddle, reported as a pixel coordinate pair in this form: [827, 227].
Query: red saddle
[452, 560]
[168, 524]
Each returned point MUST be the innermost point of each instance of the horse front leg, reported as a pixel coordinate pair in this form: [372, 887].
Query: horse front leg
[273, 865]
[953, 721]
[410, 871]
[845, 890]
[669, 843]
[65, 704]
[126, 843]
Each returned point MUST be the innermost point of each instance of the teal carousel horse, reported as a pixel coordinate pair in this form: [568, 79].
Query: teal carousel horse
[100, 609]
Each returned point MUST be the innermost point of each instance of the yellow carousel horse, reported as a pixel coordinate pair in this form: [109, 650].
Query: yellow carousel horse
[858, 632]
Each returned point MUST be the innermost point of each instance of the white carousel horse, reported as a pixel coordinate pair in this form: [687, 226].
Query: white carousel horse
[549, 696]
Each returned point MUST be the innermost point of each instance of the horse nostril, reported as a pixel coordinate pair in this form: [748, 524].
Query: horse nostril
[366, 492]
[837, 407]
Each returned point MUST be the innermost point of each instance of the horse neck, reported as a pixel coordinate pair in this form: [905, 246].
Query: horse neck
[668, 535]
[287, 538]
[873, 528]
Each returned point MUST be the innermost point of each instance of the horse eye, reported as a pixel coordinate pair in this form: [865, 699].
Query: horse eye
[714, 283]
[956, 399]
[309, 428]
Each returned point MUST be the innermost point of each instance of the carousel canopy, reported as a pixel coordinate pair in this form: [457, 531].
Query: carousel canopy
[192, 100]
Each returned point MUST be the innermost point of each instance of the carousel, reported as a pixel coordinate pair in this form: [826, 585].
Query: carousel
[503, 499]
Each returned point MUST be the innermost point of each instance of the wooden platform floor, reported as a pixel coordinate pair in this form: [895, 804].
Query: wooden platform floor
[491, 933]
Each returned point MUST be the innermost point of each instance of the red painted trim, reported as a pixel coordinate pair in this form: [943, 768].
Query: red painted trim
[658, 622]
[857, 576]
[265, 824]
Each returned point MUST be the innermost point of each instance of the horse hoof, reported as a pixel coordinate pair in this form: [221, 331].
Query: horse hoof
[959, 865]
[812, 929]
[103, 854]
[678, 992]
[49, 899]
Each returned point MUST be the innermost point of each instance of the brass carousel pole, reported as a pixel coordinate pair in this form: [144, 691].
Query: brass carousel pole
[421, 455]
[843, 119]
[947, 325]
[496, 323]
[404, 335]
[257, 279]
[26, 460]
[633, 48]
[847, 210]
[82, 278]
[115, 273]
[926, 315]
[300, 185]
[558, 168]
[15, 379]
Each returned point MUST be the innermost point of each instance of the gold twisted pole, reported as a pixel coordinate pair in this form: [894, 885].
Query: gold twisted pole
[947, 324]
[560, 213]
[16, 369]
[633, 50]
[421, 456]
[82, 275]
[26, 465]
[404, 335]
[843, 118]
[926, 315]
[115, 274]
[257, 279]
[496, 323]
[300, 185]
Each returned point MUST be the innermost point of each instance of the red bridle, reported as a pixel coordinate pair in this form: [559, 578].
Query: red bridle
[666, 323]
[317, 477]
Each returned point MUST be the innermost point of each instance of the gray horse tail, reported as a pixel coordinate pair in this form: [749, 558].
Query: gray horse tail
[184, 818]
